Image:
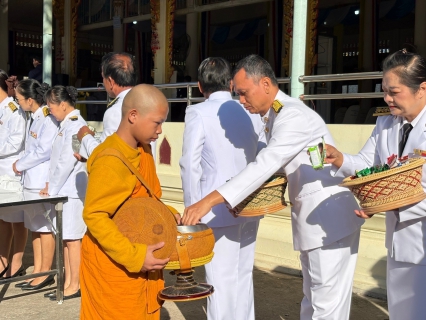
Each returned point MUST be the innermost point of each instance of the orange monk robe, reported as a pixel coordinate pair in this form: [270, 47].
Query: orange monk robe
[112, 286]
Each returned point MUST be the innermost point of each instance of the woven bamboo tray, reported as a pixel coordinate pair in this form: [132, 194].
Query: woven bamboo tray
[269, 198]
[381, 111]
[390, 189]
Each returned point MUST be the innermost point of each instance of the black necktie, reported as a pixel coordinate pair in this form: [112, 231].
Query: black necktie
[406, 129]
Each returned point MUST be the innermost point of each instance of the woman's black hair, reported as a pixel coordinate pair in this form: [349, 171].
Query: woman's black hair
[3, 78]
[30, 88]
[59, 94]
[214, 74]
[409, 67]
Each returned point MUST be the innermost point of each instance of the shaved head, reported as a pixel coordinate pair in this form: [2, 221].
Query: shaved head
[144, 98]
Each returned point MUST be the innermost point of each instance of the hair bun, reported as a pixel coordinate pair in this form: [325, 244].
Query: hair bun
[72, 92]
[11, 82]
[41, 92]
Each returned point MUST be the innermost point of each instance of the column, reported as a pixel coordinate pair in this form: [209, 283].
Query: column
[192, 63]
[298, 49]
[420, 27]
[66, 40]
[117, 23]
[47, 41]
[160, 55]
[4, 35]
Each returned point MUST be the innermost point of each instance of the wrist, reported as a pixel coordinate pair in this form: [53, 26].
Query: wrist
[83, 135]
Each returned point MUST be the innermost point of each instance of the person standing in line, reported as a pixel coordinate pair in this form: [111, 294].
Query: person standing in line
[37, 72]
[119, 76]
[219, 140]
[12, 136]
[325, 230]
[33, 166]
[68, 177]
[404, 87]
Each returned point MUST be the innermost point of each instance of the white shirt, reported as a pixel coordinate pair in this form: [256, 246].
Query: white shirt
[67, 176]
[12, 135]
[34, 163]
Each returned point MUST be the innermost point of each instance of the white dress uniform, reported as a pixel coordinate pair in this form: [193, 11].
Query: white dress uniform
[12, 136]
[68, 177]
[111, 121]
[325, 227]
[34, 165]
[219, 140]
[405, 227]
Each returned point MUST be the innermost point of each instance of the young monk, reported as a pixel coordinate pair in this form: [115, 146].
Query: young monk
[120, 279]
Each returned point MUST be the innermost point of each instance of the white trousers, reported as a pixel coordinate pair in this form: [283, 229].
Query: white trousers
[231, 273]
[406, 288]
[327, 279]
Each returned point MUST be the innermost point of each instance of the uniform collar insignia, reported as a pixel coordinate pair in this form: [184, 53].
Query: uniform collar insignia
[277, 106]
[33, 134]
[12, 106]
[60, 134]
[46, 111]
[112, 103]
[73, 118]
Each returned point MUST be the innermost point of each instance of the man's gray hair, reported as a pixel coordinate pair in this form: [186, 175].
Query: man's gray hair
[256, 68]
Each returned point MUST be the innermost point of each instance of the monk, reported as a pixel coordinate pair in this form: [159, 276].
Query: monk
[120, 279]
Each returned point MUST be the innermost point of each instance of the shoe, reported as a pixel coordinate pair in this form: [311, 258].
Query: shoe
[46, 282]
[21, 272]
[50, 294]
[72, 296]
[4, 271]
[22, 284]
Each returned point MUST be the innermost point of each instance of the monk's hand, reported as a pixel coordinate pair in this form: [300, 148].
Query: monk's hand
[151, 263]
[84, 131]
[79, 157]
[363, 215]
[333, 156]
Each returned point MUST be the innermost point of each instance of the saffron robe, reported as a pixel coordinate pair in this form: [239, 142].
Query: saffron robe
[112, 286]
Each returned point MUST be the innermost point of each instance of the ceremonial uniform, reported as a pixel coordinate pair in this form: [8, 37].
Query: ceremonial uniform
[68, 177]
[325, 228]
[219, 140]
[112, 119]
[12, 135]
[406, 226]
[34, 165]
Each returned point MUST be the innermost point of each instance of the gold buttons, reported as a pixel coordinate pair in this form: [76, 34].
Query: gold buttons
[266, 129]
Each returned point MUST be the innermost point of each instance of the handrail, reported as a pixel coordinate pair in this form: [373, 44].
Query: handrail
[341, 77]
[331, 96]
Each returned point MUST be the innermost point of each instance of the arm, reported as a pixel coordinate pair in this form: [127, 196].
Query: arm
[106, 191]
[190, 163]
[44, 147]
[112, 119]
[16, 137]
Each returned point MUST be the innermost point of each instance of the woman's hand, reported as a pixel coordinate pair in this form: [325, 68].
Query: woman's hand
[16, 170]
[363, 215]
[43, 192]
[333, 156]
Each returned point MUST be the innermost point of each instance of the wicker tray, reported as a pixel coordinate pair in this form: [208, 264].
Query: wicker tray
[381, 111]
[390, 189]
[269, 198]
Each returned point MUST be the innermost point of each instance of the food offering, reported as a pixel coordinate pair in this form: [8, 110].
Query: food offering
[390, 186]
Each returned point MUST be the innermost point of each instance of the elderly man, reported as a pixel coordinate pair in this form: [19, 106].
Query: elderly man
[325, 230]
[219, 140]
[119, 76]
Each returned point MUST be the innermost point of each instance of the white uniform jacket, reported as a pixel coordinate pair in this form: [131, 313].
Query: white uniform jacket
[67, 176]
[322, 212]
[34, 163]
[12, 135]
[219, 140]
[111, 121]
[406, 227]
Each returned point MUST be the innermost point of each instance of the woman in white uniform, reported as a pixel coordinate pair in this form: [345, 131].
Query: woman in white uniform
[12, 135]
[68, 177]
[404, 86]
[34, 168]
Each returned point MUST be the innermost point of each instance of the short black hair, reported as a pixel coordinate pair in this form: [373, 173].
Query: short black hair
[409, 67]
[256, 68]
[3, 78]
[36, 57]
[214, 74]
[120, 66]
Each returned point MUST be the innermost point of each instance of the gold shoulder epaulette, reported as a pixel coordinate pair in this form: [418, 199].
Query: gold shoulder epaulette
[277, 106]
[46, 111]
[74, 118]
[12, 106]
[112, 103]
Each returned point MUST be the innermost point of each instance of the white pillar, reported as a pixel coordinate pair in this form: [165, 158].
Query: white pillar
[420, 27]
[298, 49]
[192, 62]
[66, 40]
[160, 55]
[47, 41]
[4, 35]
[117, 23]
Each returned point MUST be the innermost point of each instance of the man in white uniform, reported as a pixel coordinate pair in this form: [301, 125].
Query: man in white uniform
[219, 140]
[119, 76]
[325, 229]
